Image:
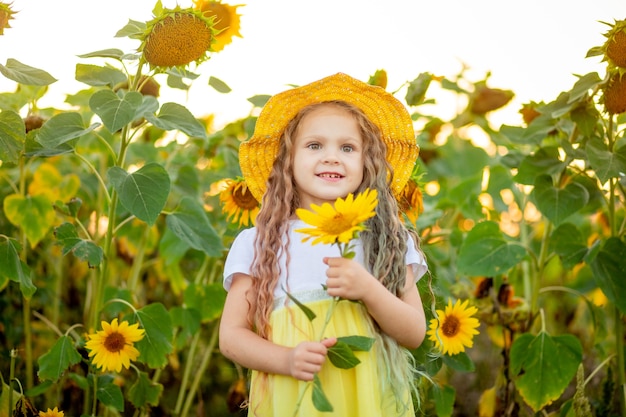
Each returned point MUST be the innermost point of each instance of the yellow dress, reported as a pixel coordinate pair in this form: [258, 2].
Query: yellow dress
[357, 392]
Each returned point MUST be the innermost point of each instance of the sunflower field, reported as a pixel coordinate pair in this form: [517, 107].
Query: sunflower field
[116, 217]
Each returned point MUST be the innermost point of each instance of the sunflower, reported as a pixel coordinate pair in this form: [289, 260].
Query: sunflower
[177, 37]
[6, 14]
[454, 330]
[226, 21]
[239, 203]
[615, 46]
[341, 223]
[51, 413]
[411, 202]
[113, 347]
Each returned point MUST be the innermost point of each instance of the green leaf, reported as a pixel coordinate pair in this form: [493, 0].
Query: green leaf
[417, 88]
[568, 242]
[358, 343]
[207, 299]
[557, 204]
[190, 223]
[62, 128]
[188, 320]
[307, 311]
[444, 400]
[84, 250]
[144, 392]
[460, 362]
[24, 74]
[320, 401]
[544, 366]
[12, 136]
[144, 192]
[34, 214]
[219, 85]
[157, 342]
[109, 393]
[104, 53]
[582, 87]
[61, 356]
[609, 269]
[133, 29]
[341, 355]
[259, 100]
[115, 112]
[173, 116]
[485, 252]
[605, 163]
[97, 76]
[12, 268]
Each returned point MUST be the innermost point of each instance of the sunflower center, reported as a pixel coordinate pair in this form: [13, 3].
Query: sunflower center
[337, 224]
[222, 17]
[450, 326]
[244, 198]
[114, 342]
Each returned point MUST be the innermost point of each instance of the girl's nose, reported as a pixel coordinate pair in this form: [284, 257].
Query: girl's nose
[330, 157]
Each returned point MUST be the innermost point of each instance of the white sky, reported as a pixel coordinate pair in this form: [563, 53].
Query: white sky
[532, 47]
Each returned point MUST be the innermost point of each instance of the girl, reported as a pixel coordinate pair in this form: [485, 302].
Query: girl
[312, 145]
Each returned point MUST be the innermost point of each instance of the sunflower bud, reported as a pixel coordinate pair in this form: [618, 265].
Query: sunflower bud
[6, 14]
[379, 78]
[176, 38]
[226, 21]
[614, 94]
[33, 121]
[615, 46]
[529, 112]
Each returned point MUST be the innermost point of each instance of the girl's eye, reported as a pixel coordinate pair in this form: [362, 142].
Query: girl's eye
[347, 148]
[313, 146]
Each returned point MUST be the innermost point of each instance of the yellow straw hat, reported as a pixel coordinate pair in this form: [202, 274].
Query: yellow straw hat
[257, 155]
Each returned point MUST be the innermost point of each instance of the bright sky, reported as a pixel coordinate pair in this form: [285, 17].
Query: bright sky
[532, 47]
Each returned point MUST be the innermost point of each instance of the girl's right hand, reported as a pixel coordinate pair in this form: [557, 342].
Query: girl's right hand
[307, 358]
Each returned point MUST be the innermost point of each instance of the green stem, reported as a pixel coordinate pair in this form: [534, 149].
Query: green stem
[96, 173]
[138, 261]
[206, 359]
[619, 338]
[189, 365]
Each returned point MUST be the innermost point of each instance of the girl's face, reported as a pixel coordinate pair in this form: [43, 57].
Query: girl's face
[328, 156]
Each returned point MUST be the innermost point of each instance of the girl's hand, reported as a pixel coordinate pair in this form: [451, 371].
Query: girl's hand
[347, 278]
[307, 358]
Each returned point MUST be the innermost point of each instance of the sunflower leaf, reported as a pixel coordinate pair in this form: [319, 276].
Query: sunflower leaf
[342, 356]
[60, 357]
[156, 345]
[307, 311]
[320, 401]
[357, 343]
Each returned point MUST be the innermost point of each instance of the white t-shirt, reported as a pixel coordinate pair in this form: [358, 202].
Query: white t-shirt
[306, 270]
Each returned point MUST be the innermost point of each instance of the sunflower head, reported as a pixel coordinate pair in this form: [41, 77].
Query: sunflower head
[454, 329]
[6, 14]
[112, 347]
[226, 21]
[411, 201]
[339, 223]
[615, 46]
[51, 413]
[614, 93]
[177, 37]
[239, 203]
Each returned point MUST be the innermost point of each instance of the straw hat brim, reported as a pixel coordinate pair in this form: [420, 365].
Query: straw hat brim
[257, 155]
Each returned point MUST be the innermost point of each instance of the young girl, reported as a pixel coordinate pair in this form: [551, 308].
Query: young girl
[312, 145]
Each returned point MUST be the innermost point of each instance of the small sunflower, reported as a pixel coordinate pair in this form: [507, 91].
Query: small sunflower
[177, 37]
[338, 224]
[411, 202]
[51, 413]
[6, 14]
[615, 46]
[113, 347]
[239, 203]
[226, 21]
[455, 328]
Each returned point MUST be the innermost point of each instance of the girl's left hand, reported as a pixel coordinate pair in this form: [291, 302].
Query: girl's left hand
[347, 278]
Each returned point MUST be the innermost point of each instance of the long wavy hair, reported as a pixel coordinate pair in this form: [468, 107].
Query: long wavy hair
[384, 241]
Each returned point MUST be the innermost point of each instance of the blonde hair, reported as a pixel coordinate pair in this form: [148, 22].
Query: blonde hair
[384, 241]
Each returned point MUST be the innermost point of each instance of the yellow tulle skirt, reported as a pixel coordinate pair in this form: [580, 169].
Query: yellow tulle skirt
[357, 392]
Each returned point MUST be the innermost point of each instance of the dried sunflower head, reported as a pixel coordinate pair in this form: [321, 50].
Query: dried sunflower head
[226, 21]
[177, 37]
[615, 46]
[614, 93]
[6, 14]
